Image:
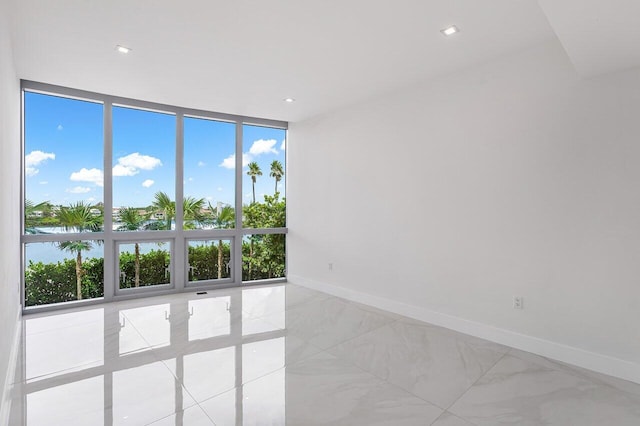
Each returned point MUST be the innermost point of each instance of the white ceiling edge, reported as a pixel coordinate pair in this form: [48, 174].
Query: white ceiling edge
[245, 57]
[599, 36]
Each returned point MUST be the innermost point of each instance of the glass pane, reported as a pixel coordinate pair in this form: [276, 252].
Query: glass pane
[63, 164]
[263, 256]
[143, 170]
[209, 260]
[209, 174]
[144, 264]
[263, 182]
[65, 271]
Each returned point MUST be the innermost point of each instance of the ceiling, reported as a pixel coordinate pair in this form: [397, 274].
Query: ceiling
[600, 36]
[245, 56]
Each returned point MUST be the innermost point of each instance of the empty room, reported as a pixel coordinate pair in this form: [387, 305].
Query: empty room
[280, 212]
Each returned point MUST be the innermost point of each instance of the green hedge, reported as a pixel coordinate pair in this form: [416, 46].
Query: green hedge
[47, 283]
[204, 261]
[56, 282]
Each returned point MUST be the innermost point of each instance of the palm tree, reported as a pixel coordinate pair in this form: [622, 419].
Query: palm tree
[132, 220]
[254, 172]
[192, 209]
[78, 218]
[276, 172]
[223, 218]
[163, 203]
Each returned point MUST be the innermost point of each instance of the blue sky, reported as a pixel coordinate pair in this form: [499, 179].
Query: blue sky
[64, 154]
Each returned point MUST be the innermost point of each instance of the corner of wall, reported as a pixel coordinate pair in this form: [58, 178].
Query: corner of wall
[10, 310]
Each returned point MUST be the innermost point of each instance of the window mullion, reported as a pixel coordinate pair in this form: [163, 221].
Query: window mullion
[109, 250]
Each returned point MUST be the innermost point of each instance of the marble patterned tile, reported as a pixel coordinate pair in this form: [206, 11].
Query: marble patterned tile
[329, 322]
[192, 416]
[146, 393]
[433, 363]
[267, 300]
[320, 390]
[622, 385]
[69, 402]
[78, 346]
[136, 395]
[258, 355]
[206, 372]
[448, 419]
[519, 392]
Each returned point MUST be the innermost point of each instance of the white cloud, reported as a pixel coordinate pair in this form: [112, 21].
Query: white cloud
[262, 146]
[283, 145]
[35, 158]
[60, 127]
[190, 179]
[120, 170]
[201, 164]
[219, 188]
[131, 164]
[230, 161]
[147, 183]
[94, 176]
[43, 182]
[209, 198]
[79, 190]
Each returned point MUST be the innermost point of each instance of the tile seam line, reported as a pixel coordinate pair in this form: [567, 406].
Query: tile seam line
[376, 375]
[473, 384]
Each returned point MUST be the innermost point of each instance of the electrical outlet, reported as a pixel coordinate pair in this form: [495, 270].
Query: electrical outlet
[330, 266]
[518, 302]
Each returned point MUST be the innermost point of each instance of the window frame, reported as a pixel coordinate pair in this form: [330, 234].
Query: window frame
[179, 237]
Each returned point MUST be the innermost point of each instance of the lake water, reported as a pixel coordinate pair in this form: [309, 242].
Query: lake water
[50, 253]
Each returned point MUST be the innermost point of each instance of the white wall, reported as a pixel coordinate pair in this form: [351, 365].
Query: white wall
[9, 202]
[445, 200]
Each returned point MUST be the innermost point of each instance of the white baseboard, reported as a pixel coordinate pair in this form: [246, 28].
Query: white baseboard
[5, 403]
[604, 364]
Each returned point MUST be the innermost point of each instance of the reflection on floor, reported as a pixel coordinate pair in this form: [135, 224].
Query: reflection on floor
[284, 354]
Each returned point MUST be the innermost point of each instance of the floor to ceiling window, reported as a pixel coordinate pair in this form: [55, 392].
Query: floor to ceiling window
[124, 197]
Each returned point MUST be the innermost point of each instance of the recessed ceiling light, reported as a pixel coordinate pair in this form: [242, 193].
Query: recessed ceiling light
[122, 49]
[451, 30]
[289, 100]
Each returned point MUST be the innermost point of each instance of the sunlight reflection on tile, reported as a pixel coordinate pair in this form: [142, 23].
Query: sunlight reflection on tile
[209, 317]
[255, 356]
[78, 402]
[193, 416]
[209, 373]
[320, 390]
[75, 345]
[146, 393]
[152, 322]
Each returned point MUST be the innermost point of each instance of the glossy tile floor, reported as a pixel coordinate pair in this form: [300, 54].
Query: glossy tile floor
[285, 354]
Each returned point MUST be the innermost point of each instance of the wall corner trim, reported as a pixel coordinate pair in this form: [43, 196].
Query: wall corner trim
[5, 403]
[593, 361]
